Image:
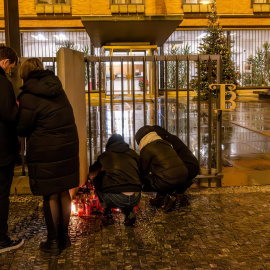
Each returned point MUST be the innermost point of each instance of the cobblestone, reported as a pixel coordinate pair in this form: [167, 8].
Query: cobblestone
[226, 228]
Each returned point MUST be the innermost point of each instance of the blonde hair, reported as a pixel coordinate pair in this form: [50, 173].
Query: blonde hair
[28, 66]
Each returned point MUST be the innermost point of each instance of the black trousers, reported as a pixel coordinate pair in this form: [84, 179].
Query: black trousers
[6, 176]
[154, 184]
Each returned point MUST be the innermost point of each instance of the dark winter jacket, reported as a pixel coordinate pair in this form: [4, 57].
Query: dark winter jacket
[159, 158]
[46, 119]
[182, 151]
[118, 168]
[8, 115]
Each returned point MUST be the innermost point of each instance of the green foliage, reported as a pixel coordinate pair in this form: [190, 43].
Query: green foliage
[259, 66]
[182, 66]
[214, 43]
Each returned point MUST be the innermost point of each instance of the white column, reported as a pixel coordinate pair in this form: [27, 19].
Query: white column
[70, 70]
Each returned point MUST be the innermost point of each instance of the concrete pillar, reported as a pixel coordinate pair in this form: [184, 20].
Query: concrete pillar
[70, 70]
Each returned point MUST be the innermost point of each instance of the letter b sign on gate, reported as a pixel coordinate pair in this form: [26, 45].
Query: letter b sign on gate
[222, 92]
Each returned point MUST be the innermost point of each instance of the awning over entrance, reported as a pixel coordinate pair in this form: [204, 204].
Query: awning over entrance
[127, 29]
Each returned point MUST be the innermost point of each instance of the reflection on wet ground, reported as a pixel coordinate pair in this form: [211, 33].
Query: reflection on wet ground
[247, 143]
[245, 138]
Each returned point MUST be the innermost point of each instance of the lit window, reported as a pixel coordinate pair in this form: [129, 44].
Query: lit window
[53, 1]
[127, 2]
[197, 1]
[60, 1]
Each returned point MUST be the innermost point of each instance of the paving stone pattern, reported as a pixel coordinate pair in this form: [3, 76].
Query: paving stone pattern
[227, 229]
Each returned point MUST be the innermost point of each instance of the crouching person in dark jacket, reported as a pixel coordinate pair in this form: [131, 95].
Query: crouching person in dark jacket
[116, 177]
[46, 119]
[168, 165]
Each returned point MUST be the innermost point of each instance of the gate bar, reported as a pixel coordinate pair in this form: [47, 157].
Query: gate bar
[100, 106]
[122, 95]
[144, 89]
[156, 89]
[89, 114]
[199, 110]
[209, 119]
[177, 98]
[133, 103]
[188, 104]
[166, 94]
[111, 93]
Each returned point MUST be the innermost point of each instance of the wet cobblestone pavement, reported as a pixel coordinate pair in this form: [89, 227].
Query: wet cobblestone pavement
[223, 228]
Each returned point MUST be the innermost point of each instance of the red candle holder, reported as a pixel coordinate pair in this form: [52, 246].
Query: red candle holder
[87, 209]
[80, 209]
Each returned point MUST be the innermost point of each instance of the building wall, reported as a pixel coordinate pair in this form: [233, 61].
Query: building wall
[1, 8]
[152, 7]
[27, 7]
[161, 7]
[102, 7]
[234, 7]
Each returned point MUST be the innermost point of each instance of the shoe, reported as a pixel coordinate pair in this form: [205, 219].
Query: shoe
[10, 245]
[51, 247]
[182, 200]
[64, 242]
[130, 219]
[166, 201]
[157, 202]
[170, 203]
[108, 219]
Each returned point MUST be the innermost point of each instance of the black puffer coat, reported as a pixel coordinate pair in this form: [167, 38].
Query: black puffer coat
[46, 119]
[8, 115]
[120, 168]
[159, 158]
[181, 149]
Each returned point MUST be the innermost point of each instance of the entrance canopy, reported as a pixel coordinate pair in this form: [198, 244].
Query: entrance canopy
[127, 29]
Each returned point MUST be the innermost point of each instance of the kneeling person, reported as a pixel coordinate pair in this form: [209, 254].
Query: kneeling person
[163, 170]
[116, 177]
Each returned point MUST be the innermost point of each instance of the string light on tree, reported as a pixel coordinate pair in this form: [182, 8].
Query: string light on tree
[214, 42]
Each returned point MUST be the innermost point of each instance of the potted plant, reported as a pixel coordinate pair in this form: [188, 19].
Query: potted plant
[141, 83]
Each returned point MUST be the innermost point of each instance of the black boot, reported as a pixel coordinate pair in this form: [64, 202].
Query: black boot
[158, 201]
[108, 217]
[50, 246]
[64, 241]
[169, 203]
[130, 217]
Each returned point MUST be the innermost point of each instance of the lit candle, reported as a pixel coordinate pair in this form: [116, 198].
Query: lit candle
[87, 209]
[74, 207]
[80, 209]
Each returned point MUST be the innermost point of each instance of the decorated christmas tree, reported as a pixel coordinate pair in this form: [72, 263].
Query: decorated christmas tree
[214, 43]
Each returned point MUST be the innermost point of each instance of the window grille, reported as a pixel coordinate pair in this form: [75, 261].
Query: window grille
[261, 1]
[197, 1]
[127, 2]
[50, 2]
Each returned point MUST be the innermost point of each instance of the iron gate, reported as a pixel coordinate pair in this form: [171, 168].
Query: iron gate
[175, 109]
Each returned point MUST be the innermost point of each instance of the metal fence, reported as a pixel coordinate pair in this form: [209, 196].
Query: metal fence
[175, 109]
[193, 121]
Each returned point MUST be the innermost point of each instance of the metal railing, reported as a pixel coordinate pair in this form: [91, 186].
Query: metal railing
[192, 121]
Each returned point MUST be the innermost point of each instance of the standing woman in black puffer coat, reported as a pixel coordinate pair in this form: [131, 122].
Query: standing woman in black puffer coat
[46, 119]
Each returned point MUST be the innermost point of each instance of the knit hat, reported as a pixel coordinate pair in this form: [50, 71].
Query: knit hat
[142, 132]
[114, 138]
